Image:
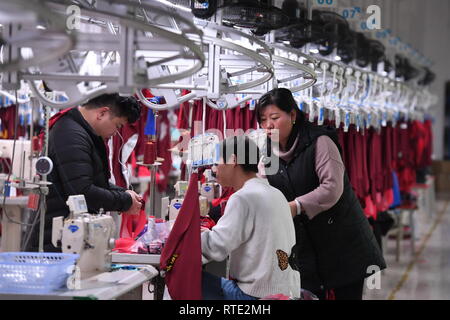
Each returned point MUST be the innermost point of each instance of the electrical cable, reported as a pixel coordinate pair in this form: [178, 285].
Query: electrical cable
[121, 163]
[33, 225]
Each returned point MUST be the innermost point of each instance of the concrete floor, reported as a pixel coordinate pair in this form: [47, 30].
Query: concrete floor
[425, 275]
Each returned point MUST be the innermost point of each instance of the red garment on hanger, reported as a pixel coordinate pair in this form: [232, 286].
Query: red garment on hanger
[183, 112]
[365, 166]
[8, 116]
[370, 209]
[163, 147]
[428, 151]
[51, 123]
[124, 151]
[342, 142]
[387, 156]
[182, 253]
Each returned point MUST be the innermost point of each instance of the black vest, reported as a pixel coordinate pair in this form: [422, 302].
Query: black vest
[337, 246]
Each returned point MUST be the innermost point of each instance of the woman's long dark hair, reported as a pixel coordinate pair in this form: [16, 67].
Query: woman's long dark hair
[284, 100]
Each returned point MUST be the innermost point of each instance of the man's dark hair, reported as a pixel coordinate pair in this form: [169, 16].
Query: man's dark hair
[122, 107]
[245, 149]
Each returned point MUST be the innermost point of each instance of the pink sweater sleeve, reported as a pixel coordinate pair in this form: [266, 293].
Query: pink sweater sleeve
[330, 169]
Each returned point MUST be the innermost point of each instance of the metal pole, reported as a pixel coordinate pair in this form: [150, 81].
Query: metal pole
[31, 139]
[153, 169]
[43, 190]
[152, 189]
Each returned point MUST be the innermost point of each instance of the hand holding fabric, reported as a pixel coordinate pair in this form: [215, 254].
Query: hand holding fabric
[136, 203]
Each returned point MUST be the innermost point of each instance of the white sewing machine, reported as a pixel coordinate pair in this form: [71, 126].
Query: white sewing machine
[23, 164]
[172, 207]
[210, 189]
[90, 236]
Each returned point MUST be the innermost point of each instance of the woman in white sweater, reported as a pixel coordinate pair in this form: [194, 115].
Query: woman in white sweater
[256, 232]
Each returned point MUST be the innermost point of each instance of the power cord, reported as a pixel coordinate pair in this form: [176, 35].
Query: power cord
[121, 163]
[33, 225]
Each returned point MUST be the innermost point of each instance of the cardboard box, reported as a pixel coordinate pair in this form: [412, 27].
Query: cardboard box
[441, 167]
[442, 182]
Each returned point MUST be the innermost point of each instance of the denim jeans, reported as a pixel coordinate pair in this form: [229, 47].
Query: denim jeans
[216, 288]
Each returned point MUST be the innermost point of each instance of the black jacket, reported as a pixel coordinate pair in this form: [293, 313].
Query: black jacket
[80, 166]
[337, 246]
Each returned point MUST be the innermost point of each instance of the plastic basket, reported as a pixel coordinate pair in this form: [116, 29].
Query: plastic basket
[33, 272]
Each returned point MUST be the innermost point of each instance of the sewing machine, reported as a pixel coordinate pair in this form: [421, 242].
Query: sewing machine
[23, 163]
[90, 236]
[172, 207]
[210, 189]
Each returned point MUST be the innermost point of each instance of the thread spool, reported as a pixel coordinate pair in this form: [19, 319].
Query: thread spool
[149, 153]
[36, 144]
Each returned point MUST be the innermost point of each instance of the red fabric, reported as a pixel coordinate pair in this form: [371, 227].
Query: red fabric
[123, 245]
[131, 224]
[207, 222]
[421, 136]
[52, 122]
[406, 157]
[215, 120]
[365, 166]
[395, 147]
[329, 295]
[181, 254]
[163, 145]
[375, 166]
[229, 115]
[387, 157]
[428, 152]
[370, 209]
[183, 113]
[8, 117]
[226, 194]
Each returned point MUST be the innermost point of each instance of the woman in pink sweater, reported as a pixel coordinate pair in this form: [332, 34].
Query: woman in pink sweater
[336, 245]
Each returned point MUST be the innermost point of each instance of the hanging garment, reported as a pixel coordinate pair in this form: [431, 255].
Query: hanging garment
[386, 157]
[183, 112]
[365, 168]
[8, 116]
[52, 122]
[163, 146]
[182, 253]
[428, 152]
[342, 142]
[129, 141]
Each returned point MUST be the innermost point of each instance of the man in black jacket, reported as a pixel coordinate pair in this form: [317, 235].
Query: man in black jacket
[80, 163]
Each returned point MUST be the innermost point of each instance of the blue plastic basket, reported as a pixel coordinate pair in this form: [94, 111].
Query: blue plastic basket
[33, 272]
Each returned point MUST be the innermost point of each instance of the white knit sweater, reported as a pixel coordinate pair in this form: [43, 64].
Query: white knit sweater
[257, 222]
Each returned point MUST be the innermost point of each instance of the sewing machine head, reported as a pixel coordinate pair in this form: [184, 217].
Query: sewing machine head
[90, 236]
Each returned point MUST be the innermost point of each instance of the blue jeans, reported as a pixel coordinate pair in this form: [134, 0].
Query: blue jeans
[216, 288]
